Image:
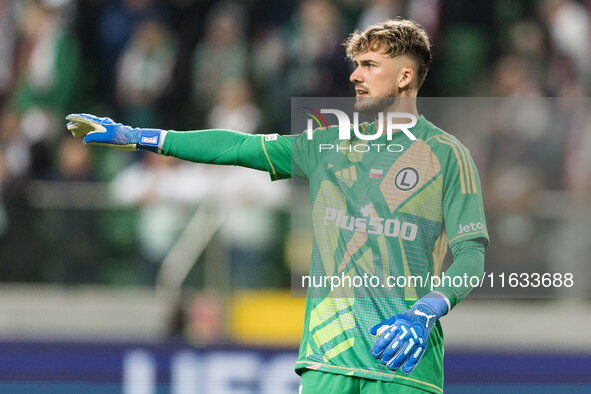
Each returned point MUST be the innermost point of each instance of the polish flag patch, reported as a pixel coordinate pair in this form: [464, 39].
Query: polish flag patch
[375, 173]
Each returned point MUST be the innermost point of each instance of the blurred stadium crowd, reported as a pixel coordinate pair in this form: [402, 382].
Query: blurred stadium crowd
[71, 214]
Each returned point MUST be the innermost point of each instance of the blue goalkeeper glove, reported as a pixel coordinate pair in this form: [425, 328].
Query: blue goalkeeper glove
[403, 337]
[103, 131]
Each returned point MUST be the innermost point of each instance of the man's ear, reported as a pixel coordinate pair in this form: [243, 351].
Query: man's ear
[406, 78]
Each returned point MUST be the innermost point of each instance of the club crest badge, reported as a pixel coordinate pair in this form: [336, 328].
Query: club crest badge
[406, 179]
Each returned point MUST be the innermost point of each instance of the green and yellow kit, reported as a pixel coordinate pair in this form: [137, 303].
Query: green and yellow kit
[386, 209]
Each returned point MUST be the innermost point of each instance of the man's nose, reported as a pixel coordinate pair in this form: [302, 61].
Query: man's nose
[356, 76]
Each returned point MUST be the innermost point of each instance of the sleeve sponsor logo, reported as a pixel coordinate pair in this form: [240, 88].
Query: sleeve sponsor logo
[468, 228]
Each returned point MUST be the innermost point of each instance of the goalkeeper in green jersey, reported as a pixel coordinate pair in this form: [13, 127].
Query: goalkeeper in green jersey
[392, 213]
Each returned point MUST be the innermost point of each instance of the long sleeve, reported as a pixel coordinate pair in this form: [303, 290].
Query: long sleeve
[468, 262]
[271, 153]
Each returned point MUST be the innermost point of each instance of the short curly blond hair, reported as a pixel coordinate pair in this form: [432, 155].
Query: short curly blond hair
[394, 38]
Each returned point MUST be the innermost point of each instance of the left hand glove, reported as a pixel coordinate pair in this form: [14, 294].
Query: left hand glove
[403, 337]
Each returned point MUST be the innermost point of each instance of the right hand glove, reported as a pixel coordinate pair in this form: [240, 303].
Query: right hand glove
[403, 337]
[104, 131]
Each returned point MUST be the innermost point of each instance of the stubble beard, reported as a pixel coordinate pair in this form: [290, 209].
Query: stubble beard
[371, 106]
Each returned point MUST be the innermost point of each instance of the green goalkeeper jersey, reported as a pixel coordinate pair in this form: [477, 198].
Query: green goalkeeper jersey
[381, 209]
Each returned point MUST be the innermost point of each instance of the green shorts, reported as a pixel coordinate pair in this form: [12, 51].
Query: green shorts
[313, 382]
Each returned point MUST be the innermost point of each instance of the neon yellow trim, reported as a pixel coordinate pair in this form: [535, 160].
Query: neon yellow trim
[471, 167]
[460, 165]
[338, 349]
[472, 171]
[337, 327]
[421, 203]
[376, 373]
[467, 164]
[433, 136]
[326, 309]
[470, 177]
[268, 158]
[327, 236]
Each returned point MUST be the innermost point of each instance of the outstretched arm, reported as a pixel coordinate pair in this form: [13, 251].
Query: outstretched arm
[229, 147]
[225, 147]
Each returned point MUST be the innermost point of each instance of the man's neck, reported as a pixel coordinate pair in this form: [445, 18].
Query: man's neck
[401, 104]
